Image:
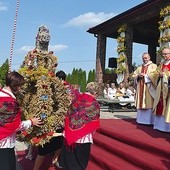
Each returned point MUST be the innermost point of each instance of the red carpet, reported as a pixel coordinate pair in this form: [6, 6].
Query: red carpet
[122, 144]
[126, 145]
[28, 164]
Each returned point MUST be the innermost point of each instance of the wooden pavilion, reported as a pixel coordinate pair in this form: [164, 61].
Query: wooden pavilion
[142, 27]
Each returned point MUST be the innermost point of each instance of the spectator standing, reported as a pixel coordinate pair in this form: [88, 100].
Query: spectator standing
[161, 106]
[10, 120]
[82, 120]
[145, 90]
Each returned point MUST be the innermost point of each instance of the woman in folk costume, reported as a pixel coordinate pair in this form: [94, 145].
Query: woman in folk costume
[145, 90]
[81, 121]
[10, 120]
[162, 100]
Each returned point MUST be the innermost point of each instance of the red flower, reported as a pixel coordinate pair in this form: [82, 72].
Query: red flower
[36, 140]
[50, 73]
[24, 133]
[34, 51]
[50, 133]
[51, 52]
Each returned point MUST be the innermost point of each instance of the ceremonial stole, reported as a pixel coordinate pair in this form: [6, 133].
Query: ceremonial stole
[160, 105]
[142, 84]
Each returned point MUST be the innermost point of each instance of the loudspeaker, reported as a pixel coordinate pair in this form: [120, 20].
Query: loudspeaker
[112, 62]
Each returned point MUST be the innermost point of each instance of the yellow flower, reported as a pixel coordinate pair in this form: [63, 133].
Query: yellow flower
[121, 48]
[121, 58]
[165, 11]
[165, 38]
[121, 68]
[122, 29]
[163, 25]
[120, 39]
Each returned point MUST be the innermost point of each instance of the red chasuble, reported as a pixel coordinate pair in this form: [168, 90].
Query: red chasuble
[160, 104]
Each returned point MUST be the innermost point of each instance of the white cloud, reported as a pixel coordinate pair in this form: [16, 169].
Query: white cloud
[89, 19]
[3, 7]
[54, 48]
[57, 48]
[25, 49]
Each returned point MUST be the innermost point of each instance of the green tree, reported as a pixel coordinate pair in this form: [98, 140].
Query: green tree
[80, 72]
[83, 81]
[3, 72]
[107, 71]
[74, 76]
[78, 76]
[68, 77]
[91, 76]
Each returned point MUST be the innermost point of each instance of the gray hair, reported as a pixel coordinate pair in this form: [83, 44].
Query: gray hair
[93, 88]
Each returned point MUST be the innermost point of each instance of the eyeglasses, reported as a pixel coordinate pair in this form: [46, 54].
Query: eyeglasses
[165, 53]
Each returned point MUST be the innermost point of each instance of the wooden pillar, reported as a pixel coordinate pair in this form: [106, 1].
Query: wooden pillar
[152, 52]
[129, 46]
[100, 57]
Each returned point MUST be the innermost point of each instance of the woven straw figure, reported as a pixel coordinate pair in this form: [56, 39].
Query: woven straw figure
[43, 95]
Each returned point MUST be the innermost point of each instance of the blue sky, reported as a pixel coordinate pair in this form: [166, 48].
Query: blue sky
[68, 22]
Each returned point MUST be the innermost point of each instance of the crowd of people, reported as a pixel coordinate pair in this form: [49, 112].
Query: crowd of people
[153, 92]
[10, 120]
[150, 92]
[122, 92]
[71, 144]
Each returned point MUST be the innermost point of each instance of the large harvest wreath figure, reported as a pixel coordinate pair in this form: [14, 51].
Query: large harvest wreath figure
[43, 95]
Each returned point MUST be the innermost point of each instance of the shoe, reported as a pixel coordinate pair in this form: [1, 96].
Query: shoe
[29, 157]
[55, 159]
[58, 165]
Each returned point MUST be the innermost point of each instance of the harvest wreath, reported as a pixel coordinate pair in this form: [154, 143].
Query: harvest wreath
[43, 96]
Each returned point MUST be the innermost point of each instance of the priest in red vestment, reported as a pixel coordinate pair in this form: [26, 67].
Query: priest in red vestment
[161, 106]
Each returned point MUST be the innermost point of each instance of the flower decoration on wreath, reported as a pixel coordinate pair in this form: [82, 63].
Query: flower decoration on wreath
[164, 28]
[121, 50]
[165, 12]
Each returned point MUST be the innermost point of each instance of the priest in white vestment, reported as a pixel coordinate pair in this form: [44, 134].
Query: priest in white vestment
[145, 91]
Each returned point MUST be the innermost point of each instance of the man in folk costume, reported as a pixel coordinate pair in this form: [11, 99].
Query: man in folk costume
[161, 105]
[145, 90]
[81, 121]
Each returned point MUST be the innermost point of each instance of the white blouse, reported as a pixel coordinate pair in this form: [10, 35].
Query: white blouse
[9, 142]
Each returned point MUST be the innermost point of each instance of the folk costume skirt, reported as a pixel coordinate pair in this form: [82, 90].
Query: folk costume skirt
[7, 159]
[75, 157]
[54, 144]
